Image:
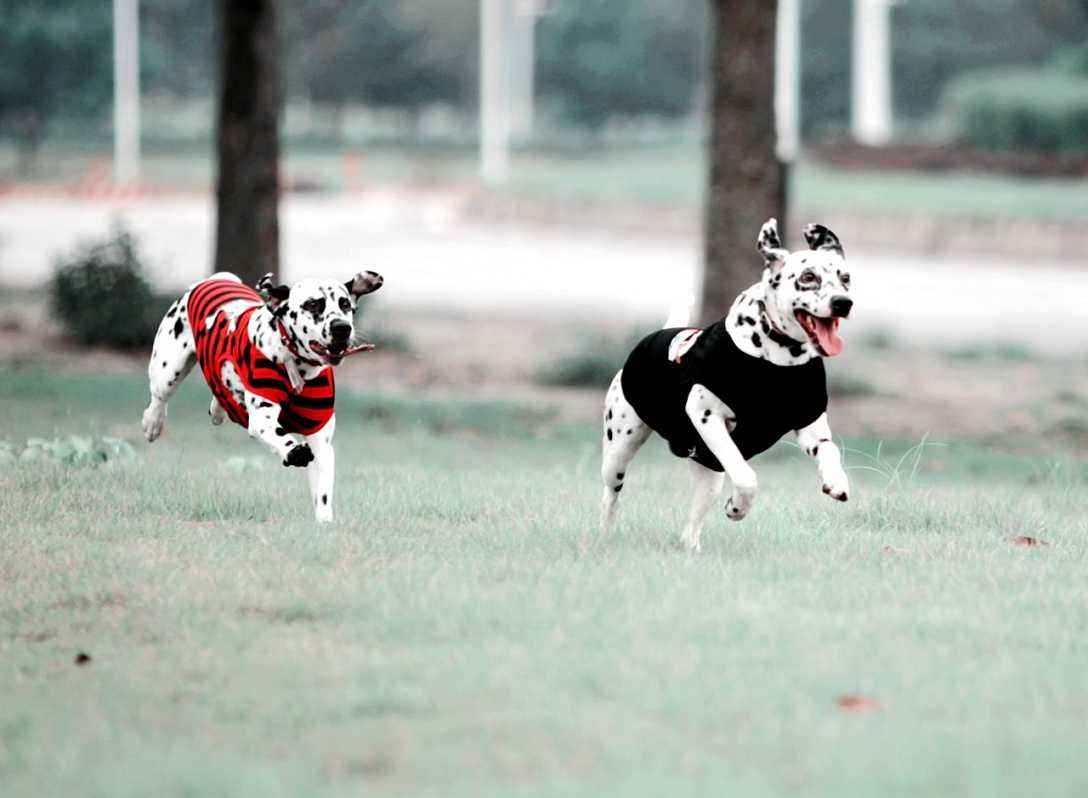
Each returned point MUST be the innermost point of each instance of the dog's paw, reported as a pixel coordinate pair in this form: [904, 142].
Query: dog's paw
[152, 423]
[216, 411]
[688, 542]
[735, 512]
[299, 456]
[839, 493]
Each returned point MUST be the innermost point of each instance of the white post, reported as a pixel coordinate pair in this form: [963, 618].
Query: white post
[494, 91]
[787, 80]
[872, 72]
[523, 78]
[126, 90]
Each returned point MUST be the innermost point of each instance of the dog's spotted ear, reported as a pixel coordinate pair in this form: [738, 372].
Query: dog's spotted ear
[364, 283]
[769, 244]
[274, 295]
[819, 237]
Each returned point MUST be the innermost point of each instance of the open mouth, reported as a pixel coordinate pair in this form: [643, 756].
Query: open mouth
[332, 354]
[823, 333]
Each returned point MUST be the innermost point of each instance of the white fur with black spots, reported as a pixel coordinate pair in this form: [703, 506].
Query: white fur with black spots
[788, 318]
[317, 318]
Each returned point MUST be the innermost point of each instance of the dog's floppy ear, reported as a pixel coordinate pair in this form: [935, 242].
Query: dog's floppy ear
[770, 245]
[364, 283]
[819, 237]
[274, 295]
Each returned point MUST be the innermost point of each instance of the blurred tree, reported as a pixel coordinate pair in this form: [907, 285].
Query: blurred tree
[826, 29]
[603, 58]
[247, 229]
[934, 41]
[747, 182]
[178, 47]
[55, 61]
[365, 52]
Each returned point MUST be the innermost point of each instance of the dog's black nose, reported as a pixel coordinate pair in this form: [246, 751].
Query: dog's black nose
[840, 306]
[340, 330]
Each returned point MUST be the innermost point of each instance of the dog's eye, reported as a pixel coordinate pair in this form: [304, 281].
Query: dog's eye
[345, 305]
[808, 277]
[844, 279]
[314, 306]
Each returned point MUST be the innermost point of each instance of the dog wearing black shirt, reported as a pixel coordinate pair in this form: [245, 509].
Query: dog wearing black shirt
[723, 394]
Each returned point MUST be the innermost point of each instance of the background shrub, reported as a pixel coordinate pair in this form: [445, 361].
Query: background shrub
[592, 363]
[1028, 108]
[101, 296]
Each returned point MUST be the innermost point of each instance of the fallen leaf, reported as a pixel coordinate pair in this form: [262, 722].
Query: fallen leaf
[1024, 540]
[858, 703]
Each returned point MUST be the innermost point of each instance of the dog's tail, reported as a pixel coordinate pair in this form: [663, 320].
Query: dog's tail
[680, 312]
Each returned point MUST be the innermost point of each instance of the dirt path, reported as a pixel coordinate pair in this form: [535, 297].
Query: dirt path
[433, 253]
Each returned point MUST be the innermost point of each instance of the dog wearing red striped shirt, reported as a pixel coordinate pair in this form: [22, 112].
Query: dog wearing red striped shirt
[267, 355]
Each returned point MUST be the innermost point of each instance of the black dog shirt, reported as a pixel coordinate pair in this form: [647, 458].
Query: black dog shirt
[767, 400]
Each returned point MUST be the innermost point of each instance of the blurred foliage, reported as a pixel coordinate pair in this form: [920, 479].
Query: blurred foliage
[101, 296]
[55, 58]
[370, 52]
[1072, 60]
[843, 384]
[598, 59]
[592, 363]
[933, 42]
[825, 66]
[1025, 108]
[178, 47]
[73, 450]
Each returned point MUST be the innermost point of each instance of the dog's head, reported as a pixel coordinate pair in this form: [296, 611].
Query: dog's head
[808, 291]
[318, 315]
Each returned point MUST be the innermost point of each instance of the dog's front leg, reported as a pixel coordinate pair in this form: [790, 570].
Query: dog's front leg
[709, 415]
[322, 471]
[815, 439]
[264, 425]
[264, 421]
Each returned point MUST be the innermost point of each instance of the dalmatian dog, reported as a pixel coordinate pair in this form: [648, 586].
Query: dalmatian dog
[721, 395]
[268, 357]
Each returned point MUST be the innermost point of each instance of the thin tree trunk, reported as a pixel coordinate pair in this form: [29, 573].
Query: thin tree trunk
[247, 240]
[747, 183]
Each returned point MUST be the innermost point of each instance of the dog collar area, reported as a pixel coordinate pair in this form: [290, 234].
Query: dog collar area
[775, 334]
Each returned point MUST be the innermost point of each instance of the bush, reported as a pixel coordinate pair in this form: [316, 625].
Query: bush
[592, 365]
[101, 296]
[1020, 109]
[1072, 60]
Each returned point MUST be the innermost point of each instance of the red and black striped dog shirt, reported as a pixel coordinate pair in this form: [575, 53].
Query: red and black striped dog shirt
[303, 413]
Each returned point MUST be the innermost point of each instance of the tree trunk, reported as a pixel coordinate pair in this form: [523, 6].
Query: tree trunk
[747, 182]
[247, 239]
[29, 132]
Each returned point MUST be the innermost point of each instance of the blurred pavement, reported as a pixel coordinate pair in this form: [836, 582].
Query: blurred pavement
[433, 255]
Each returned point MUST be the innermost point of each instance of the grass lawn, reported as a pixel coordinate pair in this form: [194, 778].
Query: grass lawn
[462, 630]
[672, 176]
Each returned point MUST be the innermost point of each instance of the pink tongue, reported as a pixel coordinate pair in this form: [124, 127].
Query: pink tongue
[827, 336]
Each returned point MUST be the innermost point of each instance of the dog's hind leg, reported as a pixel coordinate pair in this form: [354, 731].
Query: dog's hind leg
[624, 434]
[707, 485]
[172, 356]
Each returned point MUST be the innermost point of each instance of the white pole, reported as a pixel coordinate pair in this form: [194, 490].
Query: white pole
[523, 57]
[787, 80]
[872, 72]
[494, 91]
[126, 90]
